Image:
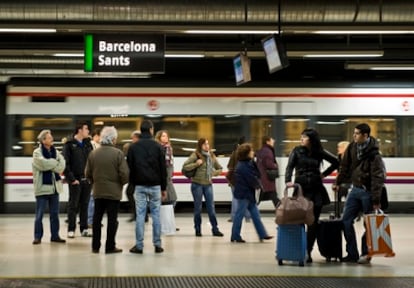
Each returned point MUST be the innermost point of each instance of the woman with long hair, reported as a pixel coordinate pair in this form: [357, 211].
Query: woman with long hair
[204, 160]
[307, 159]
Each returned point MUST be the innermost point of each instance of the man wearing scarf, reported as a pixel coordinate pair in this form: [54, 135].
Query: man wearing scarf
[363, 166]
[47, 165]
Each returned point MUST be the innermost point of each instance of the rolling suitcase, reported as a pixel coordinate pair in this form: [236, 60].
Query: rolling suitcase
[291, 243]
[329, 235]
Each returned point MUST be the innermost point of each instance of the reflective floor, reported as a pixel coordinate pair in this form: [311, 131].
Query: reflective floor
[185, 254]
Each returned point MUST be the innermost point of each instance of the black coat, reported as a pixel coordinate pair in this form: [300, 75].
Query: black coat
[308, 173]
[76, 156]
[146, 162]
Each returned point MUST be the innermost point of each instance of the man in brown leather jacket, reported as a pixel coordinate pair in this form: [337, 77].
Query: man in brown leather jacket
[362, 165]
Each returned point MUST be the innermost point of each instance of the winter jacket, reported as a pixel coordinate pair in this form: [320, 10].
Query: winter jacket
[265, 159]
[107, 171]
[367, 172]
[76, 154]
[146, 161]
[308, 173]
[200, 176]
[247, 177]
[41, 164]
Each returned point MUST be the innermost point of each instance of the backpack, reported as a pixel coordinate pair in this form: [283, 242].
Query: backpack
[189, 173]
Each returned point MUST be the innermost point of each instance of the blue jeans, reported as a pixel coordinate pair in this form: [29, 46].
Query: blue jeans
[198, 191]
[242, 206]
[358, 200]
[91, 209]
[41, 202]
[234, 207]
[144, 195]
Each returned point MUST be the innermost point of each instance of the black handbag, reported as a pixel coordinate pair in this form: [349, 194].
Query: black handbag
[272, 174]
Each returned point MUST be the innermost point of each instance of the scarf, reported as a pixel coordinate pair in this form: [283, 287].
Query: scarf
[361, 148]
[209, 163]
[47, 175]
[168, 155]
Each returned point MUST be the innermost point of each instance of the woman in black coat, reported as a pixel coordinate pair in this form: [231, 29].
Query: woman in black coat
[306, 160]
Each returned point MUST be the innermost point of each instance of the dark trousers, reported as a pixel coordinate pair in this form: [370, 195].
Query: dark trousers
[111, 207]
[312, 229]
[78, 201]
[131, 200]
[272, 195]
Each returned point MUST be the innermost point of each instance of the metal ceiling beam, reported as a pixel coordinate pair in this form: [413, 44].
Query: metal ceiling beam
[185, 13]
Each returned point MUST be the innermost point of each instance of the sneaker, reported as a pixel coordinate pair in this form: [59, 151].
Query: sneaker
[71, 234]
[364, 259]
[85, 233]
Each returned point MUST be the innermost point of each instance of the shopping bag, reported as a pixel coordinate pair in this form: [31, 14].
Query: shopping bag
[296, 209]
[167, 219]
[378, 234]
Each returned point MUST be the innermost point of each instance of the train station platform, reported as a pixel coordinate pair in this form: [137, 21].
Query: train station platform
[189, 261]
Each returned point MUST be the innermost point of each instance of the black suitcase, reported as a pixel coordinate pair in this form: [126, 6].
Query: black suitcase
[329, 235]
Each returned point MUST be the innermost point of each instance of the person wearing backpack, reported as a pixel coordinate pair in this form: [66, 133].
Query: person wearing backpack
[206, 165]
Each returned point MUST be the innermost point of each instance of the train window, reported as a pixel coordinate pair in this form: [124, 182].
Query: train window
[259, 127]
[185, 131]
[124, 125]
[293, 127]
[406, 142]
[383, 129]
[228, 130]
[26, 142]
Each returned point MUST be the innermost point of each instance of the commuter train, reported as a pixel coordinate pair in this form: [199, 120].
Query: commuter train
[221, 115]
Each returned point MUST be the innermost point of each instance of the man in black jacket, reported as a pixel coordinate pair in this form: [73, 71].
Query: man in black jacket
[148, 172]
[76, 153]
[362, 165]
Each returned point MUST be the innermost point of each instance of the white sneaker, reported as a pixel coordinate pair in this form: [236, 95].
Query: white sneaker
[364, 259]
[85, 233]
[71, 234]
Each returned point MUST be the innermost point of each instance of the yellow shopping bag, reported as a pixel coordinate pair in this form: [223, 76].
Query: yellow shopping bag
[378, 234]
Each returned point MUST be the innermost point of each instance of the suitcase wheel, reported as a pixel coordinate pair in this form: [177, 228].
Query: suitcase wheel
[280, 262]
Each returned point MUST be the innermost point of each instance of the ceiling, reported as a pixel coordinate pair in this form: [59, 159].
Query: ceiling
[357, 26]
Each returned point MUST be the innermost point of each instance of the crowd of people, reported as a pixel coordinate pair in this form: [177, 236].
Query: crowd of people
[96, 172]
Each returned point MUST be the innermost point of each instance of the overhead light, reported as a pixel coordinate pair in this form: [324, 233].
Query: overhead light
[364, 32]
[343, 54]
[68, 54]
[27, 30]
[201, 31]
[178, 55]
[380, 66]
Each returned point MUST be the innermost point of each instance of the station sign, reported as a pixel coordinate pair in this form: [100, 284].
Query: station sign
[124, 53]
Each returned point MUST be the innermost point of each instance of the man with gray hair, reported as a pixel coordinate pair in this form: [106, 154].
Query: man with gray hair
[107, 171]
[47, 165]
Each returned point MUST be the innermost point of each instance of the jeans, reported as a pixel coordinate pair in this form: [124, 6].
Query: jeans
[78, 201]
[41, 202]
[111, 207]
[198, 191]
[242, 206]
[91, 209]
[358, 200]
[152, 195]
[234, 207]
